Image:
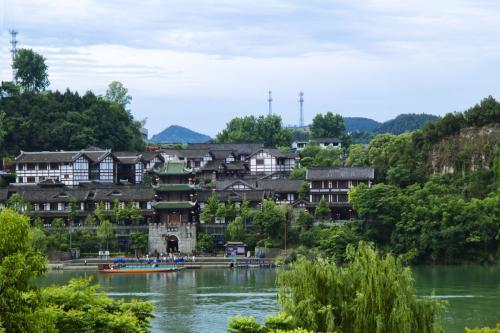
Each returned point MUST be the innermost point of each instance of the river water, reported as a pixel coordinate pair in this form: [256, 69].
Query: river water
[202, 300]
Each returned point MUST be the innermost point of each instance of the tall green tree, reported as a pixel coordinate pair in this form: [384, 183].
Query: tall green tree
[117, 93]
[105, 233]
[328, 126]
[372, 293]
[236, 229]
[322, 211]
[31, 70]
[20, 263]
[209, 211]
[271, 219]
[267, 130]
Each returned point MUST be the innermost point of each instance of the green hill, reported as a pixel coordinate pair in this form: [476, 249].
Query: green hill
[405, 123]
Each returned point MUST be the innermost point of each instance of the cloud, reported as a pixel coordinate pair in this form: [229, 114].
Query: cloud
[374, 58]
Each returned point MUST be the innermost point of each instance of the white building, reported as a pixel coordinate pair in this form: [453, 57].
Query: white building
[266, 161]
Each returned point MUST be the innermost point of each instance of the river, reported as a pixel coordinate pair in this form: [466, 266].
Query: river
[202, 300]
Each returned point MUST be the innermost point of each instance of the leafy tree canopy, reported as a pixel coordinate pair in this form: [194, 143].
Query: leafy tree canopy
[117, 93]
[267, 130]
[31, 70]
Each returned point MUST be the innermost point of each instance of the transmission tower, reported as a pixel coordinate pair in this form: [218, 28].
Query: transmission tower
[301, 101]
[13, 51]
[270, 100]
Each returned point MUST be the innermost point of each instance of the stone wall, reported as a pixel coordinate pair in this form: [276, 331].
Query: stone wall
[159, 232]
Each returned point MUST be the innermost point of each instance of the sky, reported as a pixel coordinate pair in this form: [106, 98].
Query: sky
[200, 63]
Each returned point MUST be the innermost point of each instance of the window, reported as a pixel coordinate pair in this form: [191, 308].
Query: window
[54, 166]
[66, 176]
[53, 206]
[42, 166]
[197, 164]
[19, 179]
[31, 166]
[30, 180]
[259, 161]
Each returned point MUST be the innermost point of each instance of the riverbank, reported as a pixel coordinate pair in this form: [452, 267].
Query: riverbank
[198, 263]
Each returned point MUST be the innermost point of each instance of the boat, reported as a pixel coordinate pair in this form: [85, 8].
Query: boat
[123, 268]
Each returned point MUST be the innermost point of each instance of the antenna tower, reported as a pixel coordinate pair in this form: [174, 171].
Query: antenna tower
[13, 51]
[270, 100]
[301, 101]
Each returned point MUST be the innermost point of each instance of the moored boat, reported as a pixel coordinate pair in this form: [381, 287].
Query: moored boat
[120, 268]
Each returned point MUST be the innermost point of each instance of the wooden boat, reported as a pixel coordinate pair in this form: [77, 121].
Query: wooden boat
[114, 268]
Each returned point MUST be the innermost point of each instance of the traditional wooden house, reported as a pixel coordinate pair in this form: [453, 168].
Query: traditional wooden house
[266, 161]
[333, 184]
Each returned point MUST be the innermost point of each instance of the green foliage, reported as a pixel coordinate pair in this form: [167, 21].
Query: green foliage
[58, 238]
[271, 219]
[209, 211]
[304, 220]
[279, 323]
[80, 307]
[406, 123]
[19, 264]
[483, 330]
[328, 126]
[314, 156]
[117, 93]
[204, 242]
[298, 174]
[31, 70]
[66, 121]
[245, 325]
[105, 233]
[371, 294]
[358, 156]
[138, 242]
[304, 190]
[267, 130]
[322, 211]
[236, 229]
[18, 204]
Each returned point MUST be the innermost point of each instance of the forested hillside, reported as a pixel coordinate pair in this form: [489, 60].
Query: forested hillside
[405, 123]
[53, 120]
[179, 134]
[436, 196]
[360, 124]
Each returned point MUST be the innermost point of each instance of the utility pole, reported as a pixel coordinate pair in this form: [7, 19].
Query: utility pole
[270, 101]
[301, 101]
[13, 51]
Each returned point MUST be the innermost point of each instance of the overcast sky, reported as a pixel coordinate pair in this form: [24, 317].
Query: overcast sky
[200, 63]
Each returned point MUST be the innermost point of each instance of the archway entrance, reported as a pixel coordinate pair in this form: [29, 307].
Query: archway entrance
[172, 244]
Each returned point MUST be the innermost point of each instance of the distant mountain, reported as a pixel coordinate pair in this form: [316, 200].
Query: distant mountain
[405, 123]
[179, 134]
[360, 124]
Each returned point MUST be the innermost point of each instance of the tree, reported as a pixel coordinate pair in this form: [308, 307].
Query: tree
[204, 242]
[230, 211]
[138, 242]
[209, 211]
[100, 212]
[305, 220]
[236, 229]
[134, 213]
[270, 218]
[105, 233]
[328, 126]
[322, 211]
[20, 263]
[59, 237]
[304, 190]
[357, 156]
[82, 307]
[298, 174]
[371, 293]
[31, 70]
[117, 93]
[266, 130]
[18, 204]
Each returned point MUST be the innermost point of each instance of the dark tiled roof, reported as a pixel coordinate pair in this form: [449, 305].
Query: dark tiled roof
[221, 154]
[343, 173]
[212, 166]
[97, 156]
[193, 153]
[238, 165]
[276, 153]
[235, 196]
[226, 183]
[47, 157]
[280, 185]
[90, 191]
[148, 156]
[238, 148]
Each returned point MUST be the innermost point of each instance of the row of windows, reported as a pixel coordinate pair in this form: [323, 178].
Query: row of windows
[336, 184]
[64, 206]
[41, 166]
[331, 198]
[32, 180]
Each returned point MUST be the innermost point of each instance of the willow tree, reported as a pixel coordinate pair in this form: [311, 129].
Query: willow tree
[372, 293]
